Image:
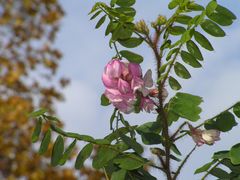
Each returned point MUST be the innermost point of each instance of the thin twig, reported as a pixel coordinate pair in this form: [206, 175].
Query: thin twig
[183, 162]
[178, 130]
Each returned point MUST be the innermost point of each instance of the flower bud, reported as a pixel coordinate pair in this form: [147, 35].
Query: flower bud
[142, 27]
[161, 20]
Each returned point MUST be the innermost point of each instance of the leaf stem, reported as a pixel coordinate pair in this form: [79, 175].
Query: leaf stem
[183, 162]
[208, 172]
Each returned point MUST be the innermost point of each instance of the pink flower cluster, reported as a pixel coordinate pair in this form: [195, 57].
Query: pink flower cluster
[125, 83]
[201, 137]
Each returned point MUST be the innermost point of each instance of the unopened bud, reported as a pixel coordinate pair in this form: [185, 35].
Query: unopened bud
[142, 27]
[161, 20]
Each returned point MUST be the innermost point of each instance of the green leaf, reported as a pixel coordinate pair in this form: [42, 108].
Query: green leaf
[151, 138]
[45, 142]
[104, 100]
[114, 135]
[221, 19]
[175, 149]
[212, 5]
[132, 143]
[129, 161]
[190, 59]
[219, 173]
[37, 130]
[119, 175]
[187, 36]
[100, 22]
[183, 19]
[163, 67]
[205, 167]
[234, 154]
[149, 127]
[194, 50]
[203, 41]
[104, 155]
[174, 84]
[212, 28]
[181, 71]
[186, 106]
[173, 51]
[221, 155]
[38, 113]
[128, 11]
[131, 42]
[125, 3]
[122, 32]
[176, 30]
[68, 152]
[232, 167]
[111, 27]
[172, 4]
[57, 151]
[222, 10]
[225, 122]
[95, 15]
[236, 110]
[83, 155]
[132, 57]
[195, 7]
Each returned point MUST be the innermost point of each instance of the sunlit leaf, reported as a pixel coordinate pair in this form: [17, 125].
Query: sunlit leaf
[181, 71]
[194, 50]
[190, 59]
[203, 41]
[174, 84]
[212, 28]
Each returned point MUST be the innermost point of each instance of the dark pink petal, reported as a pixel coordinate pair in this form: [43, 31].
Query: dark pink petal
[135, 69]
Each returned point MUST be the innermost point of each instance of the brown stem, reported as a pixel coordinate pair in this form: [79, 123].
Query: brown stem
[160, 109]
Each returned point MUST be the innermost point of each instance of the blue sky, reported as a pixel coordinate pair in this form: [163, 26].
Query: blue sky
[86, 52]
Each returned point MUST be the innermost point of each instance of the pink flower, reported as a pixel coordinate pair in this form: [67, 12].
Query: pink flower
[147, 104]
[124, 85]
[113, 69]
[201, 137]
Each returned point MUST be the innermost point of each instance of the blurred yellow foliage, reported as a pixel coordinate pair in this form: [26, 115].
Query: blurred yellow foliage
[28, 62]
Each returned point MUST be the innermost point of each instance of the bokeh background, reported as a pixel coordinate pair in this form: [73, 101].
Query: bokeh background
[33, 77]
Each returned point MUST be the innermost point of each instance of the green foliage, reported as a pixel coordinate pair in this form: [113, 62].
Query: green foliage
[37, 130]
[181, 71]
[83, 155]
[186, 106]
[68, 152]
[45, 142]
[224, 122]
[194, 50]
[190, 59]
[174, 84]
[234, 154]
[205, 167]
[203, 41]
[212, 28]
[57, 151]
[104, 100]
[129, 161]
[119, 175]
[132, 57]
